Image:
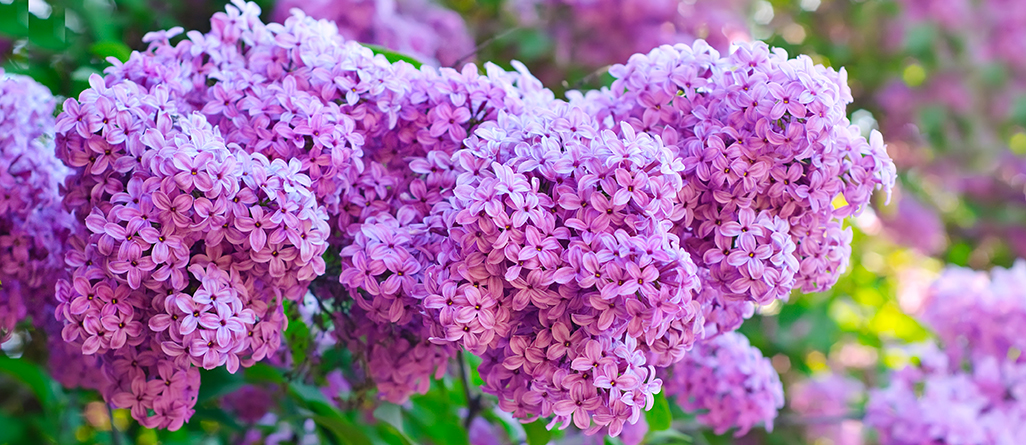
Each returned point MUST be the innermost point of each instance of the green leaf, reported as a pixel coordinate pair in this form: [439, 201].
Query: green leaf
[668, 437]
[217, 382]
[12, 430]
[393, 56]
[110, 48]
[297, 335]
[48, 33]
[263, 373]
[537, 434]
[34, 377]
[659, 417]
[343, 430]
[14, 19]
[326, 415]
[392, 435]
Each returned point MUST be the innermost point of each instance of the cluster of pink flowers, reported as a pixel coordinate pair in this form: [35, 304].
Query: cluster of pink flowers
[769, 161]
[33, 230]
[596, 33]
[728, 383]
[971, 389]
[419, 28]
[190, 242]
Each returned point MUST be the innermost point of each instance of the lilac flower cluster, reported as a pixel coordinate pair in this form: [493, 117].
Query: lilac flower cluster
[971, 389]
[419, 28]
[33, 230]
[770, 166]
[596, 33]
[939, 401]
[566, 278]
[728, 382]
[191, 243]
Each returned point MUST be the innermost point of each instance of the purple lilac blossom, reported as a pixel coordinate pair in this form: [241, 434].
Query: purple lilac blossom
[939, 401]
[949, 127]
[190, 241]
[765, 151]
[915, 225]
[419, 28]
[728, 382]
[33, 229]
[970, 387]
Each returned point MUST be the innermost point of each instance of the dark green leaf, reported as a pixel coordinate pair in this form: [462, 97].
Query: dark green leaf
[343, 430]
[33, 376]
[263, 373]
[326, 415]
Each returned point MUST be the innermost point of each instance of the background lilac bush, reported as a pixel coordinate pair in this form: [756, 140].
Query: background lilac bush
[264, 228]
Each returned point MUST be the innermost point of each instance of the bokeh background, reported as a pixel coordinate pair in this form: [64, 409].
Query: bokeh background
[943, 80]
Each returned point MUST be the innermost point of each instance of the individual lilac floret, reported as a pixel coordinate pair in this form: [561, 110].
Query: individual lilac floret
[419, 28]
[33, 229]
[728, 382]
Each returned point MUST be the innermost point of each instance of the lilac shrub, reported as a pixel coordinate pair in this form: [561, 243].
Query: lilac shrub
[565, 244]
[828, 397]
[575, 246]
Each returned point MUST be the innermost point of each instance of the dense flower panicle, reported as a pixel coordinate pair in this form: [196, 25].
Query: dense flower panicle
[728, 382]
[595, 33]
[419, 28]
[566, 277]
[828, 396]
[33, 229]
[192, 240]
[969, 389]
[770, 165]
